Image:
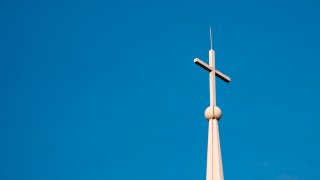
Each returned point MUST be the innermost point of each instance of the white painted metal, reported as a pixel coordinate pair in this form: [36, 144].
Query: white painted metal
[215, 113]
[212, 78]
[217, 169]
[223, 76]
[203, 64]
[214, 160]
[209, 69]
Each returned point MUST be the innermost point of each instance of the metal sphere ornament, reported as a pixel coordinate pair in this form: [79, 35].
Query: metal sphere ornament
[212, 112]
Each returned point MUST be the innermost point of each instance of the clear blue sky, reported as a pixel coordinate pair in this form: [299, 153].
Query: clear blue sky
[108, 89]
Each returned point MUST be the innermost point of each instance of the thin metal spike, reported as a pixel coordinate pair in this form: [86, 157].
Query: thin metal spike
[210, 38]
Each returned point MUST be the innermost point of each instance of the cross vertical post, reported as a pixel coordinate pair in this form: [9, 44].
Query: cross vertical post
[212, 78]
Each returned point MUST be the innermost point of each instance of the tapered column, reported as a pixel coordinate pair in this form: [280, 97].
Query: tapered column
[214, 161]
[209, 152]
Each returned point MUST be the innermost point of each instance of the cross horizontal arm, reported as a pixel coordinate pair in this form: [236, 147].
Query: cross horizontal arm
[203, 64]
[209, 69]
[225, 78]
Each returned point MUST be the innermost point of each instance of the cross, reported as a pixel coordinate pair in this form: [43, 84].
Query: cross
[212, 72]
[213, 114]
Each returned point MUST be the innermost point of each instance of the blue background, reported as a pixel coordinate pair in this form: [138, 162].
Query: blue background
[108, 89]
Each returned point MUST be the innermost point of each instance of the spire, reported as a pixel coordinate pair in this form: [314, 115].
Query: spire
[213, 114]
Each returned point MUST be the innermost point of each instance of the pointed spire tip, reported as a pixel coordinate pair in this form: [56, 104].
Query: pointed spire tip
[210, 38]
